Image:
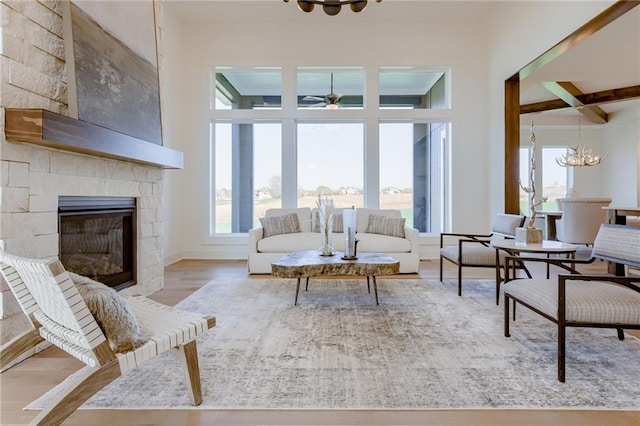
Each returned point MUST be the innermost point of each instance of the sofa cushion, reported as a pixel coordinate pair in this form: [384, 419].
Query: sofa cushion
[377, 243]
[285, 243]
[285, 224]
[337, 221]
[362, 218]
[393, 227]
[304, 216]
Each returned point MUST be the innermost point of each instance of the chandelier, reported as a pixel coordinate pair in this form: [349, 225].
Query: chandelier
[579, 155]
[332, 7]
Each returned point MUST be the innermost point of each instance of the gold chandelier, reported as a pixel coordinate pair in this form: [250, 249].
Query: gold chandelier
[579, 155]
[332, 7]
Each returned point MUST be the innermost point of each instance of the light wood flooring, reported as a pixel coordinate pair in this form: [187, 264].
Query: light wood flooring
[28, 380]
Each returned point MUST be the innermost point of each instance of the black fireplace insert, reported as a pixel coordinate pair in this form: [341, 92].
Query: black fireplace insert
[96, 238]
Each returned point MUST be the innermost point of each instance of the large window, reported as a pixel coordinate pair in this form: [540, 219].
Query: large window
[411, 172]
[330, 163]
[247, 174]
[283, 137]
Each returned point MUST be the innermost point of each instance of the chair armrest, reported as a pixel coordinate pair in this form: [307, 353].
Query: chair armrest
[467, 236]
[631, 282]
[413, 235]
[255, 235]
[561, 263]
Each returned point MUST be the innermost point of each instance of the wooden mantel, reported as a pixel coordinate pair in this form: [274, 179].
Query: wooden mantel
[42, 127]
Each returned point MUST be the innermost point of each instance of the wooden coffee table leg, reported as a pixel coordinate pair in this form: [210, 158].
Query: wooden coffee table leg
[375, 288]
[297, 291]
[306, 287]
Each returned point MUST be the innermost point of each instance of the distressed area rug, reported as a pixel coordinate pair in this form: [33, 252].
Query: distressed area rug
[422, 347]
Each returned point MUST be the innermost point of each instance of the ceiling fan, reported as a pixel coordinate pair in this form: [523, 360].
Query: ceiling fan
[330, 101]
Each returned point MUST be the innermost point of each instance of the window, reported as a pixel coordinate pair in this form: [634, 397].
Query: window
[412, 88]
[247, 174]
[411, 173]
[330, 88]
[554, 177]
[330, 163]
[525, 167]
[270, 152]
[247, 88]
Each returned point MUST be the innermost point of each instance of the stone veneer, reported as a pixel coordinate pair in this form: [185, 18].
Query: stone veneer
[32, 75]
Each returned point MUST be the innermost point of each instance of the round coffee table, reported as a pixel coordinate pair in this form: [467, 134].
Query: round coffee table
[306, 264]
[547, 247]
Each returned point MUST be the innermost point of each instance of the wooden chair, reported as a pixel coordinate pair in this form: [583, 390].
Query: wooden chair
[58, 314]
[576, 300]
[474, 250]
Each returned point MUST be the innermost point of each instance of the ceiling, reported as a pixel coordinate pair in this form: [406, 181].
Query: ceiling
[609, 59]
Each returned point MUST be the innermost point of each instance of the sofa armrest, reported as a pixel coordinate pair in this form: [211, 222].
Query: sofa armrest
[255, 235]
[413, 235]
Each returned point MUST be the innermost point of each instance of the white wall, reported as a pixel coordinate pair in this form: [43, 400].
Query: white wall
[202, 47]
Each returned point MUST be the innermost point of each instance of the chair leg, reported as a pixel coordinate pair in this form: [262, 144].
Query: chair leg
[506, 316]
[621, 334]
[189, 354]
[87, 384]
[561, 351]
[18, 345]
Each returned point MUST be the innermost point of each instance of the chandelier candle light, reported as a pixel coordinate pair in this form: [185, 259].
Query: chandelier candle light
[530, 234]
[325, 221]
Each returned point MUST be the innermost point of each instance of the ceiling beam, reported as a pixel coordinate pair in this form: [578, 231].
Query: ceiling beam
[569, 92]
[595, 98]
[600, 21]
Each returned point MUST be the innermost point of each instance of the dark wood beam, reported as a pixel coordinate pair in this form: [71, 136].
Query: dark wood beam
[52, 130]
[595, 98]
[569, 92]
[512, 145]
[600, 21]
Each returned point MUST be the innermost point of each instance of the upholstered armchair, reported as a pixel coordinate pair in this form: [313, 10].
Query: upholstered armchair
[581, 219]
[474, 250]
[575, 300]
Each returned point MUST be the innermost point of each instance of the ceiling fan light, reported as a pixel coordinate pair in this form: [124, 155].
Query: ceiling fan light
[358, 6]
[305, 5]
[332, 106]
[331, 9]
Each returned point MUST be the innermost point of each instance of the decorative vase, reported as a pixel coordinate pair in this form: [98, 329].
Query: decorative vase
[349, 232]
[325, 219]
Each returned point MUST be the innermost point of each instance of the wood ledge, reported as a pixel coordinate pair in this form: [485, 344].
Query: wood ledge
[45, 128]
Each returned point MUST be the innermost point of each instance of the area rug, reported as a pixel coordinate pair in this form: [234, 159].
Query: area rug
[422, 347]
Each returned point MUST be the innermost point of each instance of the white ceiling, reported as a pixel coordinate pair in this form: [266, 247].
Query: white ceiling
[609, 59]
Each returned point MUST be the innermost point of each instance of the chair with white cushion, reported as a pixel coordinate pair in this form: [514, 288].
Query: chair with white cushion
[581, 219]
[474, 250]
[576, 300]
[58, 314]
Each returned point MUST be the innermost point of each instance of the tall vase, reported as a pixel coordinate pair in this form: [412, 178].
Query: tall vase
[349, 233]
[326, 225]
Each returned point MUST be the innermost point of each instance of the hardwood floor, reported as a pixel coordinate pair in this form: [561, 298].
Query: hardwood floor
[28, 380]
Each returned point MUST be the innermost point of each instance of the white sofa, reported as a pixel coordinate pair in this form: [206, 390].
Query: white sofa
[263, 251]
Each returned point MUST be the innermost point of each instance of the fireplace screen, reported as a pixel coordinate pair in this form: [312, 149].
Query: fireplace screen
[96, 238]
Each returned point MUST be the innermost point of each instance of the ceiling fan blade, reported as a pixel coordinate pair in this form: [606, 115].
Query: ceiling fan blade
[312, 98]
[319, 104]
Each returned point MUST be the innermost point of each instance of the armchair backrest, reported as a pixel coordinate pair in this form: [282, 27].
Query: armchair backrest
[506, 224]
[581, 219]
[52, 303]
[618, 243]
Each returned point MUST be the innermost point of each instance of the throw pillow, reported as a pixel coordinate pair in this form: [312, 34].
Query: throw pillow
[112, 313]
[337, 222]
[386, 225]
[275, 225]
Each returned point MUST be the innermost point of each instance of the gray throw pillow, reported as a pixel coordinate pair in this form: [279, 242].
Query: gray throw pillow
[386, 225]
[112, 313]
[337, 222]
[284, 224]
